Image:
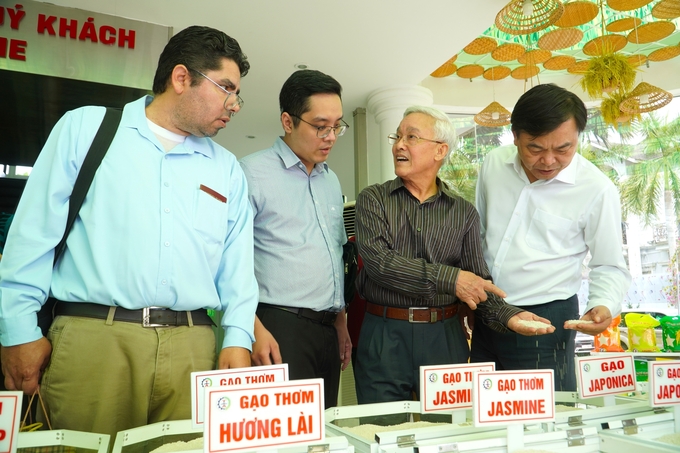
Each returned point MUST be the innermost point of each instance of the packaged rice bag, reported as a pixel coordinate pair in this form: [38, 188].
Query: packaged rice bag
[610, 339]
[641, 335]
[670, 326]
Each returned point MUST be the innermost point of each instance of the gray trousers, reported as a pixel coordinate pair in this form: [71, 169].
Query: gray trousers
[391, 352]
[511, 351]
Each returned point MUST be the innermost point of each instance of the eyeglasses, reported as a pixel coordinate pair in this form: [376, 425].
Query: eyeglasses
[227, 106]
[409, 139]
[324, 131]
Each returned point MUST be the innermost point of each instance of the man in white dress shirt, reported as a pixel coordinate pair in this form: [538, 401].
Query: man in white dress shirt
[543, 207]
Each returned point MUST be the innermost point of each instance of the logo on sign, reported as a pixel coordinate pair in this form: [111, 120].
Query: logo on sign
[432, 377]
[586, 367]
[207, 382]
[223, 403]
[659, 372]
[487, 384]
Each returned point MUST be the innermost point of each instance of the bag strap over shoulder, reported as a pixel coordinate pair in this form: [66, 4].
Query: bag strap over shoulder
[95, 155]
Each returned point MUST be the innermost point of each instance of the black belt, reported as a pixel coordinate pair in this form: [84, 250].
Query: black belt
[147, 317]
[325, 317]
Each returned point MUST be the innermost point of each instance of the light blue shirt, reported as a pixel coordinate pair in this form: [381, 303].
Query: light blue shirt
[298, 228]
[146, 235]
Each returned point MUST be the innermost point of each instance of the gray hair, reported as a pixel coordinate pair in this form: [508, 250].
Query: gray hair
[444, 130]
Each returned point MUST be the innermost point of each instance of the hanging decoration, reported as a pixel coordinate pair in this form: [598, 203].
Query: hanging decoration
[446, 69]
[470, 71]
[496, 72]
[577, 13]
[522, 17]
[645, 98]
[666, 9]
[559, 63]
[665, 53]
[610, 109]
[604, 44]
[494, 115]
[627, 5]
[560, 38]
[653, 31]
[606, 73]
[636, 60]
[481, 46]
[625, 24]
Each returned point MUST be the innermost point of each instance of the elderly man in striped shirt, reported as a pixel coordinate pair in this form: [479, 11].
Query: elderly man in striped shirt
[422, 255]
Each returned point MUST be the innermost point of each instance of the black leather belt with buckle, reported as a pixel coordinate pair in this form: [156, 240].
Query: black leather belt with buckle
[147, 317]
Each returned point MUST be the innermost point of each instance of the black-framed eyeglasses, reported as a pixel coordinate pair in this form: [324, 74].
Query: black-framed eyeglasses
[238, 101]
[324, 131]
[409, 139]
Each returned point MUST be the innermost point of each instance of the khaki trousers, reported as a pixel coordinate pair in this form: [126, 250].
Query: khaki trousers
[105, 377]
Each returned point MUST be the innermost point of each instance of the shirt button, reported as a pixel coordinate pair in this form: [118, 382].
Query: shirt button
[418, 229]
[166, 184]
[167, 244]
[166, 210]
[164, 282]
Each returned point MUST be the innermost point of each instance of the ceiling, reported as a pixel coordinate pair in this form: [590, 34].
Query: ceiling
[636, 33]
[365, 44]
[461, 88]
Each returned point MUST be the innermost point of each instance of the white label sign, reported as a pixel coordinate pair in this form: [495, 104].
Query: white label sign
[605, 375]
[448, 387]
[226, 378]
[664, 383]
[264, 416]
[10, 418]
[505, 397]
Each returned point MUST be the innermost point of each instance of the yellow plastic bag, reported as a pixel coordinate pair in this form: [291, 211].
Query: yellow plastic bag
[610, 339]
[641, 335]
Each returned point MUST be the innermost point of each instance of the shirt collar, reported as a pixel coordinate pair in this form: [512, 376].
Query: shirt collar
[290, 159]
[398, 183]
[567, 175]
[134, 116]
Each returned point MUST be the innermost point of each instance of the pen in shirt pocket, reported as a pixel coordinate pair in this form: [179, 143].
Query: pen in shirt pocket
[213, 193]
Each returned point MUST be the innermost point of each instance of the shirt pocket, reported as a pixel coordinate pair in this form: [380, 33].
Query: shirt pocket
[548, 232]
[210, 218]
[335, 222]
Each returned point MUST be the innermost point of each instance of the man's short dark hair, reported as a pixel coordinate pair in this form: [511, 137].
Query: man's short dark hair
[199, 49]
[300, 86]
[544, 108]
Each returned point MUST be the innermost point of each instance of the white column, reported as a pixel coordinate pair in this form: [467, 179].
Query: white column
[388, 106]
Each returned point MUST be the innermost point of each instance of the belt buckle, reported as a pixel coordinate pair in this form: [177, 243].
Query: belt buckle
[146, 317]
[433, 315]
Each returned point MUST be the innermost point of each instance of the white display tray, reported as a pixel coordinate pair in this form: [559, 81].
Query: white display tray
[615, 442]
[149, 437]
[600, 410]
[455, 437]
[64, 437]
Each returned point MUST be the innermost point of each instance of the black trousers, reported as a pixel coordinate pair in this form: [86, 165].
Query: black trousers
[391, 352]
[309, 348]
[511, 351]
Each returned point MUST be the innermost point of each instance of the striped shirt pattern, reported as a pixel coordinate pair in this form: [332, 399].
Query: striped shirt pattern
[412, 252]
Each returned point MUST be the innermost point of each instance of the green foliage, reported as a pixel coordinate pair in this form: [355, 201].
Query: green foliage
[656, 172]
[462, 167]
[460, 174]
